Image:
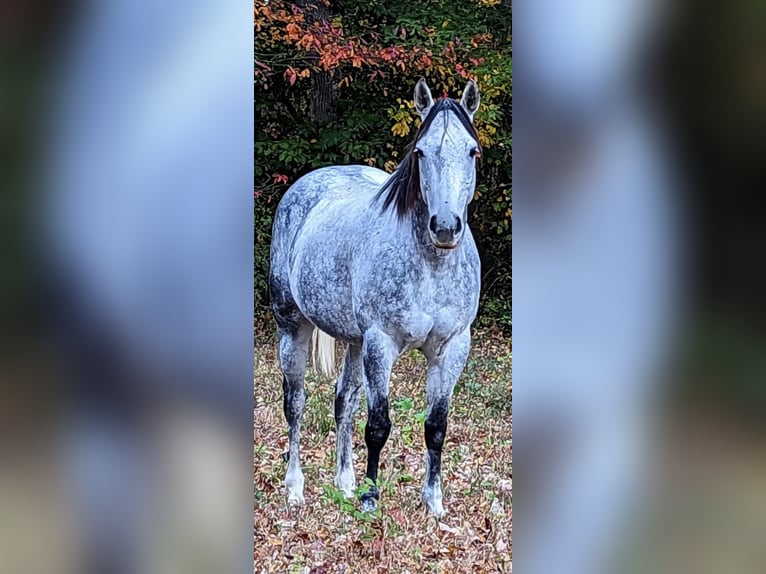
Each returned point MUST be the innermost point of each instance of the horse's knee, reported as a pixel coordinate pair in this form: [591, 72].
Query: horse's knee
[435, 436]
[436, 427]
[378, 427]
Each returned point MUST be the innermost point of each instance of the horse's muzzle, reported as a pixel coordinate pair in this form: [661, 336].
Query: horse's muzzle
[445, 231]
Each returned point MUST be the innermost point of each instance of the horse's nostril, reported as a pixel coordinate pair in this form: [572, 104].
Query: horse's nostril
[432, 224]
[458, 225]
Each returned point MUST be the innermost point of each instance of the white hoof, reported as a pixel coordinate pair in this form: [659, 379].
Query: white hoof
[433, 500]
[295, 498]
[294, 485]
[346, 483]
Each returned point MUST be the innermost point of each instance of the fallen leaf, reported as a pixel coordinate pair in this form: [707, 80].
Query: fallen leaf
[447, 528]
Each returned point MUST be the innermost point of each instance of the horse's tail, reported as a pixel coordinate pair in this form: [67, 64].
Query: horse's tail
[323, 352]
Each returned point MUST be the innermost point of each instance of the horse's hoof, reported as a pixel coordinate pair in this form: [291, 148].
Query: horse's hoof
[295, 499]
[433, 503]
[437, 511]
[346, 484]
[369, 502]
[294, 485]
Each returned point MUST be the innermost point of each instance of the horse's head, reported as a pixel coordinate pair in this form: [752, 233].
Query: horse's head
[444, 152]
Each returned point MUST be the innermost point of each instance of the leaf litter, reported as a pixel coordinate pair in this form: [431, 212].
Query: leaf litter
[330, 534]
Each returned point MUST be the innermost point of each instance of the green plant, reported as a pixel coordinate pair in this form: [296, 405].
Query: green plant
[336, 497]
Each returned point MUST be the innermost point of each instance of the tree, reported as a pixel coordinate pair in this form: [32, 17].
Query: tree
[334, 85]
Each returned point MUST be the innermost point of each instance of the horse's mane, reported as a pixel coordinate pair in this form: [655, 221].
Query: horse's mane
[402, 189]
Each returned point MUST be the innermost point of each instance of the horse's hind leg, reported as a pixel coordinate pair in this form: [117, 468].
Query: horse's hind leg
[293, 356]
[347, 390]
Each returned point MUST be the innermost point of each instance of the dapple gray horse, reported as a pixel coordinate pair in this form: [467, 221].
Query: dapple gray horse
[385, 264]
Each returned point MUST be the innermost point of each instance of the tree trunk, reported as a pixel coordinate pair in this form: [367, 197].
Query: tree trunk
[323, 94]
[324, 89]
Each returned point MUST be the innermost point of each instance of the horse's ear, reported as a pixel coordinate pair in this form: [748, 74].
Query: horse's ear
[423, 99]
[470, 99]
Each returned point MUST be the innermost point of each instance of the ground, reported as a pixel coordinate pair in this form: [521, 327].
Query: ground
[330, 534]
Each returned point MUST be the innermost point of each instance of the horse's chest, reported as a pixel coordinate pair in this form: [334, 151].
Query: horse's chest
[436, 312]
[412, 302]
[449, 313]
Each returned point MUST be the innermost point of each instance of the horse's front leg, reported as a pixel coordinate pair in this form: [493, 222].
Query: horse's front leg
[378, 355]
[444, 368]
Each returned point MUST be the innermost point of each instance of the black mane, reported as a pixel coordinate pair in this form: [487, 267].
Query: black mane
[402, 189]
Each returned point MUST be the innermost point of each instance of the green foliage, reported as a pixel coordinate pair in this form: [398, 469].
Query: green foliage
[497, 312]
[337, 497]
[394, 43]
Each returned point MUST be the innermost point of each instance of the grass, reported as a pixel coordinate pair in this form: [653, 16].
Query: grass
[330, 534]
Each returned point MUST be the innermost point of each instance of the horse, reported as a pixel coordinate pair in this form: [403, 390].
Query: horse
[385, 264]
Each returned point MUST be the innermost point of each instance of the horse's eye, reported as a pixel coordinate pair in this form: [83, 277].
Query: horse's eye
[418, 152]
[475, 152]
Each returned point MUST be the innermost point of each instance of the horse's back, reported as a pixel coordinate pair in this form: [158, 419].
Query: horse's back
[334, 182]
